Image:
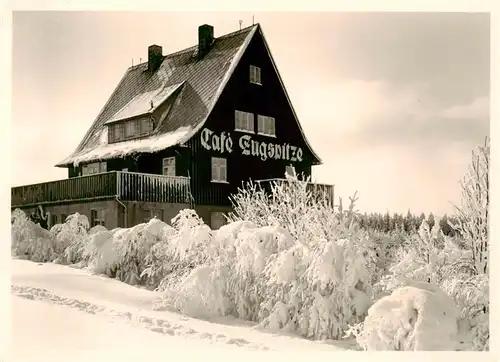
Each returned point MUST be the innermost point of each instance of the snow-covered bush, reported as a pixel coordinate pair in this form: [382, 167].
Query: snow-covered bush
[423, 258]
[473, 218]
[251, 252]
[203, 293]
[184, 247]
[472, 297]
[418, 317]
[71, 239]
[471, 290]
[30, 240]
[291, 205]
[316, 292]
[122, 253]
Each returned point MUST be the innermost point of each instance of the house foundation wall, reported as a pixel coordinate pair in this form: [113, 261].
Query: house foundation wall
[139, 212]
[107, 211]
[112, 213]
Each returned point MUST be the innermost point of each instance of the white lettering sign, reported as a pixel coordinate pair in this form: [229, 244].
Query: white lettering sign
[211, 141]
[249, 147]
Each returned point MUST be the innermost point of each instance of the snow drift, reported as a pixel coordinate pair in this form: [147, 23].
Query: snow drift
[420, 317]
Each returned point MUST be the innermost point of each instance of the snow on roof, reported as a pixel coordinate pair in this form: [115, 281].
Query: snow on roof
[144, 103]
[121, 149]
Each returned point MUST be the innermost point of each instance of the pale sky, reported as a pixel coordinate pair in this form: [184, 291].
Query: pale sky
[393, 103]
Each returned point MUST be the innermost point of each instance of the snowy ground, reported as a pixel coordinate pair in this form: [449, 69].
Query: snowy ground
[62, 312]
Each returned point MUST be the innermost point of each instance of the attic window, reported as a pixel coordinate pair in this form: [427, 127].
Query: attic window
[129, 129]
[255, 75]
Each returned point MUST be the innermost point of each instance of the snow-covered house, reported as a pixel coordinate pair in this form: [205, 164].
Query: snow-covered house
[180, 130]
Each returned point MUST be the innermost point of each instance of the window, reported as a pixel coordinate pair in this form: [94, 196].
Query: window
[290, 171]
[118, 132]
[217, 220]
[93, 168]
[255, 75]
[266, 125]
[96, 217]
[219, 169]
[244, 121]
[169, 166]
[53, 219]
[130, 129]
[146, 125]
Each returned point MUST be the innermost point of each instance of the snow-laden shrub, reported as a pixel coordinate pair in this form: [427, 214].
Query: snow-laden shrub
[473, 218]
[122, 253]
[30, 240]
[71, 239]
[419, 317]
[423, 258]
[472, 297]
[289, 204]
[233, 259]
[203, 293]
[316, 292]
[251, 251]
[185, 246]
[307, 215]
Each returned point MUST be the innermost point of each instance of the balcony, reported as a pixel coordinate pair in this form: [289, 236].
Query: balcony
[127, 186]
[319, 191]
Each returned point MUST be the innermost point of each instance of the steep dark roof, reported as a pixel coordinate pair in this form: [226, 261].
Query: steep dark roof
[189, 85]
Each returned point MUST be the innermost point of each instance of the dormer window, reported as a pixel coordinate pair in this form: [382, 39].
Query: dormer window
[255, 75]
[122, 131]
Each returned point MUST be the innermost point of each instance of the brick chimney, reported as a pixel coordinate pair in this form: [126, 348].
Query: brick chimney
[155, 57]
[205, 39]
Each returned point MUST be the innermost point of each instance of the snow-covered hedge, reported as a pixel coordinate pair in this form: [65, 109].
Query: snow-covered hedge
[30, 240]
[71, 239]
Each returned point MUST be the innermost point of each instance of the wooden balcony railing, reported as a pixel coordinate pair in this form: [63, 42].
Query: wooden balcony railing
[128, 186]
[319, 191]
[132, 186]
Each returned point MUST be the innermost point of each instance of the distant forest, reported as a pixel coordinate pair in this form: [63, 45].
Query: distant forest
[407, 223]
